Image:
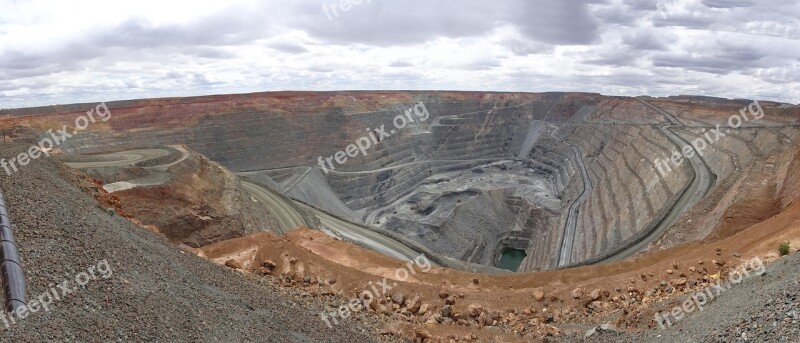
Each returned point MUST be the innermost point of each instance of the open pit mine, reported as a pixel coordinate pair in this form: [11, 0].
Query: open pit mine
[484, 216]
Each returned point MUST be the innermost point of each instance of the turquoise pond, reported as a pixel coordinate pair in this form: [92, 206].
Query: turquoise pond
[511, 258]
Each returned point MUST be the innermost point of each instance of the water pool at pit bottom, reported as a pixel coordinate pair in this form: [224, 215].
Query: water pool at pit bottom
[511, 258]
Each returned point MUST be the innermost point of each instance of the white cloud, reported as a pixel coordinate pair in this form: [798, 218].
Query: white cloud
[83, 51]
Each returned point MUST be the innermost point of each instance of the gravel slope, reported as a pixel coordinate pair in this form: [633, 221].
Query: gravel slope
[156, 292]
[759, 309]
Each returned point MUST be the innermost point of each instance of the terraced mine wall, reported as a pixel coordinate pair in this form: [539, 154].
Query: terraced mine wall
[484, 172]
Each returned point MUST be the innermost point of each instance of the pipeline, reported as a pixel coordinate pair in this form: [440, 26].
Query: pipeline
[11, 266]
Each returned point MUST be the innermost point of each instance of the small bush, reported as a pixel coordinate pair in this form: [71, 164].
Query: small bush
[784, 248]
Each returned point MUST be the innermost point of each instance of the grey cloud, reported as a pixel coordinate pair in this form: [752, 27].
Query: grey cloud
[200, 38]
[208, 52]
[694, 20]
[386, 23]
[322, 69]
[722, 62]
[481, 64]
[198, 79]
[8, 86]
[224, 29]
[775, 18]
[289, 47]
[17, 59]
[525, 47]
[776, 75]
[401, 64]
[557, 22]
[173, 75]
[616, 15]
[647, 40]
[19, 64]
[642, 5]
[617, 58]
[727, 3]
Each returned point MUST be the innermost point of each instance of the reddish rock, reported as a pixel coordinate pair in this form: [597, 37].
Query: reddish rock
[233, 264]
[678, 282]
[414, 304]
[576, 293]
[474, 310]
[398, 298]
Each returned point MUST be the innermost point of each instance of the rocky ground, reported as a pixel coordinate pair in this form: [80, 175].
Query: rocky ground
[760, 309]
[415, 303]
[156, 291]
[445, 304]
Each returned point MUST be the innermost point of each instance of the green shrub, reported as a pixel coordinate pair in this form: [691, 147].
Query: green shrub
[784, 248]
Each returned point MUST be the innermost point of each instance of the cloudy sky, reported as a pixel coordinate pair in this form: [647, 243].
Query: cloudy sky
[86, 51]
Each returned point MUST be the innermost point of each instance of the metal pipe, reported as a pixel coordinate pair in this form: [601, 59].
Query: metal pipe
[11, 265]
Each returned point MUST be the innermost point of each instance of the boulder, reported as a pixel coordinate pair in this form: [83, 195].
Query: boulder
[398, 298]
[233, 264]
[414, 304]
[577, 293]
[423, 309]
[447, 311]
[538, 294]
[679, 282]
[474, 310]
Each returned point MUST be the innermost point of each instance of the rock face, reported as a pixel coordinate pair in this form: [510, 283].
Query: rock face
[482, 172]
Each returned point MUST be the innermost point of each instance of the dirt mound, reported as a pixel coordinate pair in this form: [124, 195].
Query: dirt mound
[202, 203]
